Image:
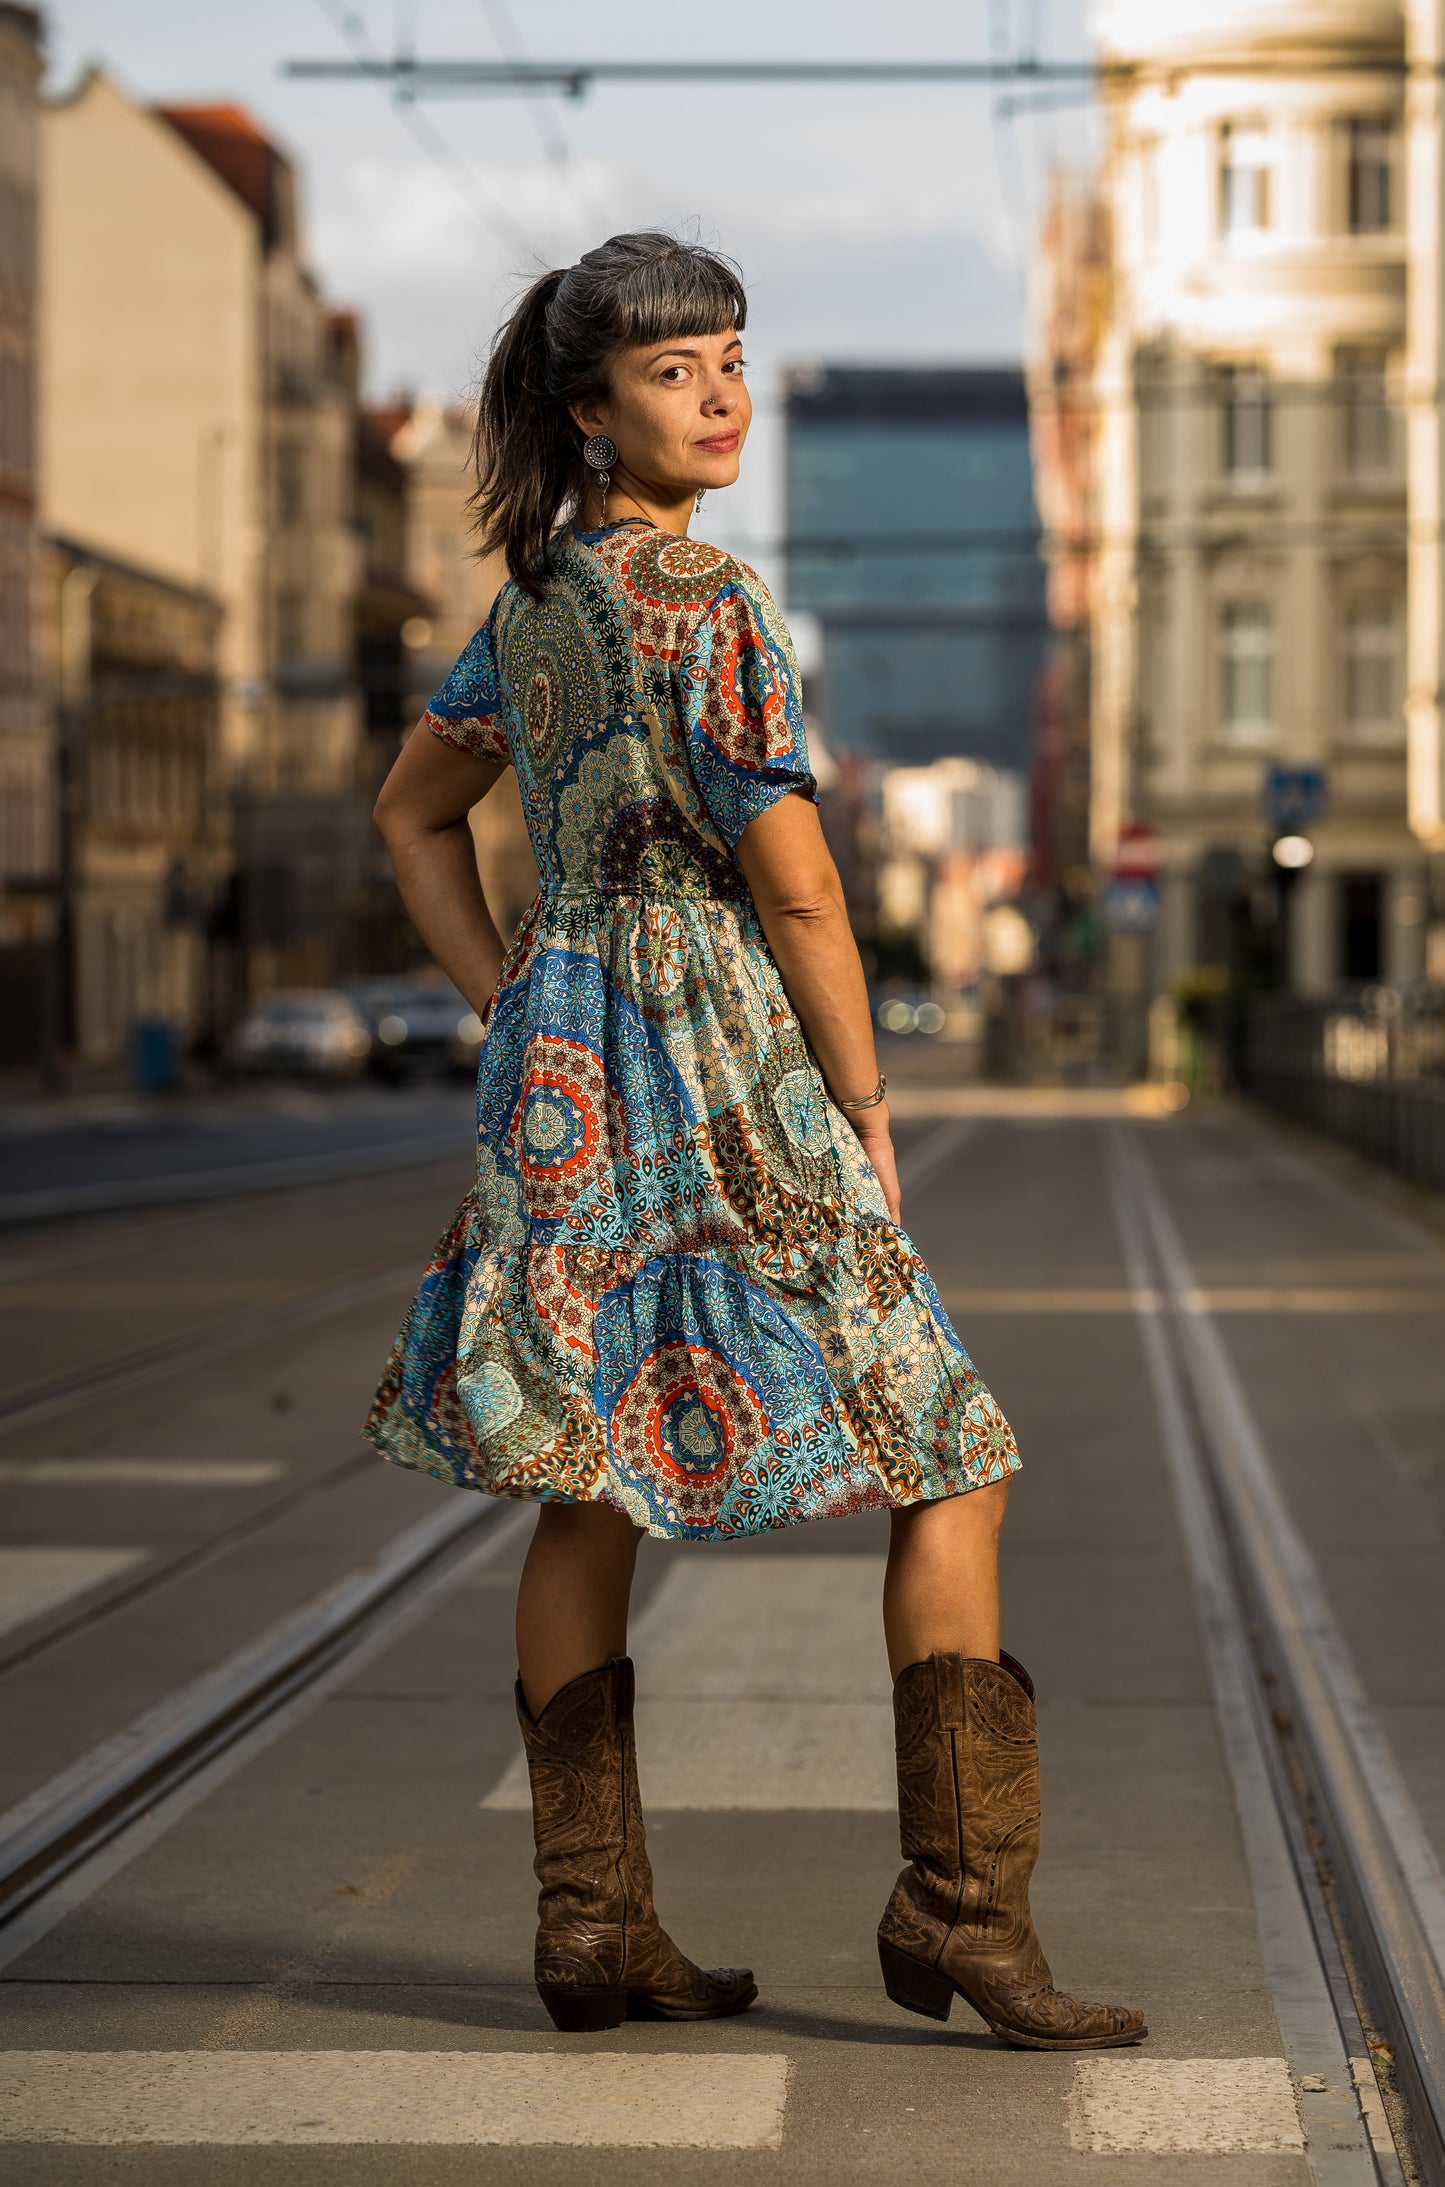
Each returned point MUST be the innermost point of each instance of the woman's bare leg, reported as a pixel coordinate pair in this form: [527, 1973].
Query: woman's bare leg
[940, 1593]
[573, 1597]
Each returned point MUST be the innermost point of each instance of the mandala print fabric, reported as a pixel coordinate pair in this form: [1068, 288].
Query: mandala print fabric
[675, 1287]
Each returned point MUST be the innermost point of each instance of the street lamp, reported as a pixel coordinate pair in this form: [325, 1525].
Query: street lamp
[1292, 853]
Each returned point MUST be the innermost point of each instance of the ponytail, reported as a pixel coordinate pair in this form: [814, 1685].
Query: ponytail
[556, 349]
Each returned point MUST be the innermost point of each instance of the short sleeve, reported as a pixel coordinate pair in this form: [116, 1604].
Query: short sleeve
[742, 707]
[467, 712]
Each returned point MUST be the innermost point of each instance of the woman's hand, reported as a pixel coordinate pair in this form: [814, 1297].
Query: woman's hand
[876, 1139]
[799, 899]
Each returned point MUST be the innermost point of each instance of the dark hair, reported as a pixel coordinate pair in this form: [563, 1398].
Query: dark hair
[556, 349]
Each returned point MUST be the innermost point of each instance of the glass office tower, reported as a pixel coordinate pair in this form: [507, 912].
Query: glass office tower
[912, 536]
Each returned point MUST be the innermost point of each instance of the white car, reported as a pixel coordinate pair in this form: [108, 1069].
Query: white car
[314, 1030]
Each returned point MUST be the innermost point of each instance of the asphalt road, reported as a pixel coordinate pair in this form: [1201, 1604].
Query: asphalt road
[137, 1151]
[314, 1964]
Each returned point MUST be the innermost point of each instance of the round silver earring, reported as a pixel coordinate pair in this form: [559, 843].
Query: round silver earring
[599, 453]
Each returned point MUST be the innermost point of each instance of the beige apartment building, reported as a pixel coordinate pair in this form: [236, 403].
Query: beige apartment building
[198, 425]
[27, 773]
[1253, 489]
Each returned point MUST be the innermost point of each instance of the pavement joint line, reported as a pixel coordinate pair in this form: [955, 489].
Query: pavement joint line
[231, 1181]
[213, 1340]
[909, 1103]
[398, 2098]
[1338, 2147]
[1239, 1299]
[139, 1472]
[90, 1874]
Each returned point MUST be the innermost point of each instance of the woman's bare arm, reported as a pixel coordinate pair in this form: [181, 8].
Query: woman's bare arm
[422, 815]
[795, 886]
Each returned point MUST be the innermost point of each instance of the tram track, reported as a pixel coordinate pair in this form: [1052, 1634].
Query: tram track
[1343, 1873]
[1300, 1731]
[124, 1783]
[214, 1340]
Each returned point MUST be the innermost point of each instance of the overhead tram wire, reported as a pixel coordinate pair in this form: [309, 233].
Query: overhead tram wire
[554, 138]
[573, 79]
[375, 67]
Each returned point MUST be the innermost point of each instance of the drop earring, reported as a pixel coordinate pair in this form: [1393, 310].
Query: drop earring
[599, 453]
[701, 498]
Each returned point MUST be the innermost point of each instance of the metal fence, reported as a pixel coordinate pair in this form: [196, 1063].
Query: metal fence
[1368, 1070]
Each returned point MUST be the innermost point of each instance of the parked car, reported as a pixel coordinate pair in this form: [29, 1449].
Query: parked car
[314, 1030]
[420, 1027]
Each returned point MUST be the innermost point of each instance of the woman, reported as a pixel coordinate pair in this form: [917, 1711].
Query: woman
[678, 1300]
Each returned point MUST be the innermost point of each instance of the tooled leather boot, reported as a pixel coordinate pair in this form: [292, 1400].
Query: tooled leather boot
[958, 1922]
[602, 1955]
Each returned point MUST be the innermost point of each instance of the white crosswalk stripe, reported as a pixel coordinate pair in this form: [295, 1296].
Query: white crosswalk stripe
[35, 1581]
[1210, 2106]
[762, 1684]
[512, 2099]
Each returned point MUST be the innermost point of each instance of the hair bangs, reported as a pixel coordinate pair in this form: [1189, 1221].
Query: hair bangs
[694, 293]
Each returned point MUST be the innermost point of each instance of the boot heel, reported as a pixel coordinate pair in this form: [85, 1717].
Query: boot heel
[914, 1986]
[583, 2011]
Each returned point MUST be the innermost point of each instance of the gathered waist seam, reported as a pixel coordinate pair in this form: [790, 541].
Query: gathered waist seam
[571, 894]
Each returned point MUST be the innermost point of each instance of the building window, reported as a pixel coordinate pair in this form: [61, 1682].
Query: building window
[290, 482]
[1371, 159]
[1245, 422]
[1246, 177]
[1369, 428]
[1371, 639]
[290, 627]
[1149, 192]
[1247, 672]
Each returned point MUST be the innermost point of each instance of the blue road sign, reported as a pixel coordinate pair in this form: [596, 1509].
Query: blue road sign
[1293, 797]
[1131, 905]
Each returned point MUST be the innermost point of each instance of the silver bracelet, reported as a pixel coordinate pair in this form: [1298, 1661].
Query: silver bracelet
[869, 1101]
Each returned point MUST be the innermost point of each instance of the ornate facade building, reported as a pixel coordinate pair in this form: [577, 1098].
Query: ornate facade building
[1256, 575]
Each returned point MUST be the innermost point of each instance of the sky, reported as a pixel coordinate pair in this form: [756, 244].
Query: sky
[872, 224]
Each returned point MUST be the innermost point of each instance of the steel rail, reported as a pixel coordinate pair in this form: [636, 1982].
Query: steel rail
[71, 1818]
[1386, 1883]
[197, 1347]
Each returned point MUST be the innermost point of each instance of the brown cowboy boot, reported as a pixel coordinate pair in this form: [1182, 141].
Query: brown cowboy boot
[968, 1805]
[602, 1955]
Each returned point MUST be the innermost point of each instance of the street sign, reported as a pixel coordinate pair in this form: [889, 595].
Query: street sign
[1293, 797]
[1140, 852]
[1131, 905]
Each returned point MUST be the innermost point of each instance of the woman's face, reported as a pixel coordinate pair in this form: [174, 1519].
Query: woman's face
[679, 412]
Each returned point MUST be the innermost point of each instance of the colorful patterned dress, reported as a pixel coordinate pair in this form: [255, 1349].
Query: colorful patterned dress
[674, 1287]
